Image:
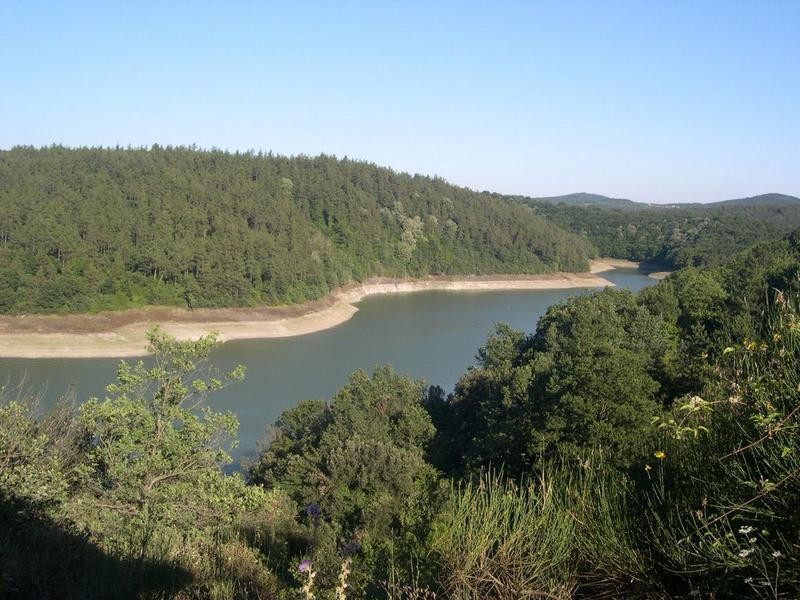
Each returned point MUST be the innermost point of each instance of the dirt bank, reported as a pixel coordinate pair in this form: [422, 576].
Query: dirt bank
[123, 333]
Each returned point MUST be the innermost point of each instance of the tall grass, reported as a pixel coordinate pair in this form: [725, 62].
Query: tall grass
[725, 517]
[562, 534]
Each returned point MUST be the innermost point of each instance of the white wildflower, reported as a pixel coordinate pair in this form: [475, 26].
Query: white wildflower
[696, 402]
[745, 530]
[745, 553]
[777, 554]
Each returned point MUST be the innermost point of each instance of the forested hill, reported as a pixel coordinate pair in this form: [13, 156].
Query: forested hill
[762, 200]
[89, 229]
[584, 199]
[677, 236]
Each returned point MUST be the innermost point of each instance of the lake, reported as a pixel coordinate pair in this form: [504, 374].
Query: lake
[429, 335]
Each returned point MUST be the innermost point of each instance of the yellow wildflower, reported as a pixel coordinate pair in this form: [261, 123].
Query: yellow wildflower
[660, 454]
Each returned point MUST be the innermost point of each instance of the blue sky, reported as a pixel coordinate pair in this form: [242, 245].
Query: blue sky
[655, 101]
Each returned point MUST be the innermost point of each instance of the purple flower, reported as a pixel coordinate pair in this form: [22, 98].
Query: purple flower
[351, 548]
[313, 511]
[304, 566]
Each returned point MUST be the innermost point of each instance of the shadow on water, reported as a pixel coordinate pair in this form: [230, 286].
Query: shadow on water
[43, 559]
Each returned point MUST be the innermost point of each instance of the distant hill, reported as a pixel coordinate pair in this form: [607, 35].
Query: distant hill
[762, 200]
[600, 201]
[584, 199]
[680, 235]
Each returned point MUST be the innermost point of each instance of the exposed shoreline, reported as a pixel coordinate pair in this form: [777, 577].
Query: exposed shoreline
[601, 265]
[123, 333]
[659, 275]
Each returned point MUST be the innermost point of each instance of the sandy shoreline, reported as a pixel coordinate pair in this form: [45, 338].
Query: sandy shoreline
[601, 265]
[659, 275]
[123, 334]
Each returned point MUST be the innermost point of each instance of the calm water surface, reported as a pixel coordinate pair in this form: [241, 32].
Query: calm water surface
[429, 335]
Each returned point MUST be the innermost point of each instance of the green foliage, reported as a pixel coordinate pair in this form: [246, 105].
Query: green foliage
[292, 455]
[487, 419]
[31, 466]
[152, 430]
[675, 237]
[134, 486]
[587, 379]
[706, 308]
[712, 506]
[360, 464]
[92, 229]
[358, 458]
[736, 524]
[643, 447]
[595, 362]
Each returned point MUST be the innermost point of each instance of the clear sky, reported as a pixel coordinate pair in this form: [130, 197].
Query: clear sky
[655, 101]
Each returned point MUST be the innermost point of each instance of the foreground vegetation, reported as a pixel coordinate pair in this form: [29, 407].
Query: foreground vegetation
[89, 229]
[632, 446]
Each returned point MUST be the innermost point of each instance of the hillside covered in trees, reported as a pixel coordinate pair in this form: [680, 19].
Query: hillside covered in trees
[677, 236]
[584, 199]
[90, 229]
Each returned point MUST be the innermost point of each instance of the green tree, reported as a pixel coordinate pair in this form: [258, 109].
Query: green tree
[357, 470]
[589, 378]
[151, 483]
[595, 360]
[153, 430]
[359, 458]
[135, 483]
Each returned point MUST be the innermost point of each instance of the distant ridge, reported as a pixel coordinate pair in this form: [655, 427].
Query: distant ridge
[760, 200]
[585, 199]
[600, 201]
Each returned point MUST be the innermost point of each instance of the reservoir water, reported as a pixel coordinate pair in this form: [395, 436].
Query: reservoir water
[428, 335]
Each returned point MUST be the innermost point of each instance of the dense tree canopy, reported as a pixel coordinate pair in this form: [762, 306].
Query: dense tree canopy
[587, 378]
[357, 466]
[86, 229]
[693, 235]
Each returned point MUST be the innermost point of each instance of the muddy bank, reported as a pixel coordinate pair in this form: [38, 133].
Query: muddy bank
[123, 333]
